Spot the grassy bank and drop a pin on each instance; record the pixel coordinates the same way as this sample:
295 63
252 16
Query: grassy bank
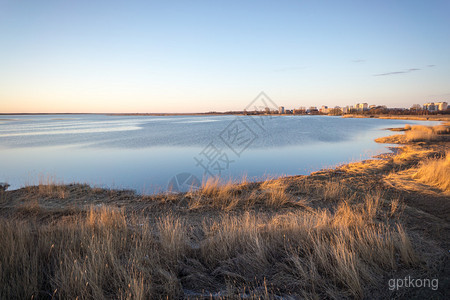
418 133
337 233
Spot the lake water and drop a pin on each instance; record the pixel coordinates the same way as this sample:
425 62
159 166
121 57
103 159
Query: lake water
145 153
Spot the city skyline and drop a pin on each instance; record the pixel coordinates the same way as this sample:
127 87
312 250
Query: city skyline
152 57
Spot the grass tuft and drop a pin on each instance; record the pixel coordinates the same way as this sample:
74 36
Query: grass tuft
436 172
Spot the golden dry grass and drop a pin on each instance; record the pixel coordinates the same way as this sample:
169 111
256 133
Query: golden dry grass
436 172
232 195
48 186
426 133
215 194
105 253
419 133
274 194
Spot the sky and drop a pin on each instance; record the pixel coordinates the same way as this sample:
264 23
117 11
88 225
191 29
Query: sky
200 56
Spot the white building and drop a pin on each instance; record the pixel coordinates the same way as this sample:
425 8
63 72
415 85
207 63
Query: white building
362 106
442 106
281 110
429 106
324 109
438 106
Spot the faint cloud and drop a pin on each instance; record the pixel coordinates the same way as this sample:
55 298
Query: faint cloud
397 72
403 72
359 60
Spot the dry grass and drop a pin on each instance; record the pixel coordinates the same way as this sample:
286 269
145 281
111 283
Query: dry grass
106 253
419 133
233 195
49 187
332 190
215 194
436 172
441 129
96 255
416 136
2 196
426 133
309 250
274 193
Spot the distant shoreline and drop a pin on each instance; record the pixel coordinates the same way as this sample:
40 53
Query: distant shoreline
440 117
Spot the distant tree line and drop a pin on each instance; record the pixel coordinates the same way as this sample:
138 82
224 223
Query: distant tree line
337 111
398 111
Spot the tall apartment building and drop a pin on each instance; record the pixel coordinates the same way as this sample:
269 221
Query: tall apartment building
438 106
361 106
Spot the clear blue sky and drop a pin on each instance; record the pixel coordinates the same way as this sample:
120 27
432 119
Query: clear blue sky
188 56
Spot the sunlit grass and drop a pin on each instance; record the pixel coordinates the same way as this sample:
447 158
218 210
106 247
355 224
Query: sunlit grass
436 172
419 133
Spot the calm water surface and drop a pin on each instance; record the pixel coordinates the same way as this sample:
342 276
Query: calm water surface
145 153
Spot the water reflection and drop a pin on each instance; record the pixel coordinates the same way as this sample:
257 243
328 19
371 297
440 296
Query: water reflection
144 153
